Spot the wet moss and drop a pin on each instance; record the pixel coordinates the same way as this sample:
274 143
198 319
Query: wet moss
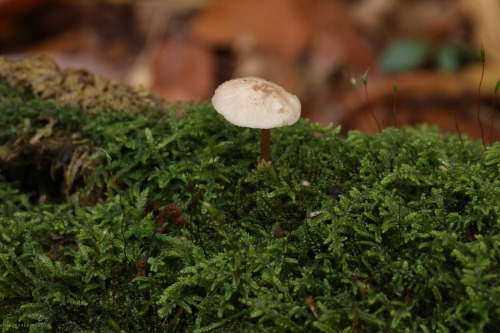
408 241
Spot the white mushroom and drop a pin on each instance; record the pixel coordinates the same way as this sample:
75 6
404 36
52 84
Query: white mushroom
257 103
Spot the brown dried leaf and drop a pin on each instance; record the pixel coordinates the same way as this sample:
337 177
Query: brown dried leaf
277 27
310 304
78 162
46 131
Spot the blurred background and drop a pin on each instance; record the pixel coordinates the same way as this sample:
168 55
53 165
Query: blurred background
422 57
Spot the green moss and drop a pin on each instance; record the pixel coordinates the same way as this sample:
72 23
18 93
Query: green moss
411 244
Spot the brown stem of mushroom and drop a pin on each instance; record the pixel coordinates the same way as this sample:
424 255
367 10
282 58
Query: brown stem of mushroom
265 144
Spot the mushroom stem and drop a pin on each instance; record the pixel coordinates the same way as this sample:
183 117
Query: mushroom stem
265 144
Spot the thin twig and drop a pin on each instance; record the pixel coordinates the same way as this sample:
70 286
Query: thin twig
394 103
492 115
458 132
365 81
479 96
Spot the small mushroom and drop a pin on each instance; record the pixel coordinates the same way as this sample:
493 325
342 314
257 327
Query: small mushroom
257 103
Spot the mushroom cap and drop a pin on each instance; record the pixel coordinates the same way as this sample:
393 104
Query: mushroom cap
256 103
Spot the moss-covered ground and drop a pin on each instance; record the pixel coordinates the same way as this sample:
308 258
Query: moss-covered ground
168 225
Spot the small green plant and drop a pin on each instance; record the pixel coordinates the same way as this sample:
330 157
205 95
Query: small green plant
394 104
365 83
393 232
483 58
